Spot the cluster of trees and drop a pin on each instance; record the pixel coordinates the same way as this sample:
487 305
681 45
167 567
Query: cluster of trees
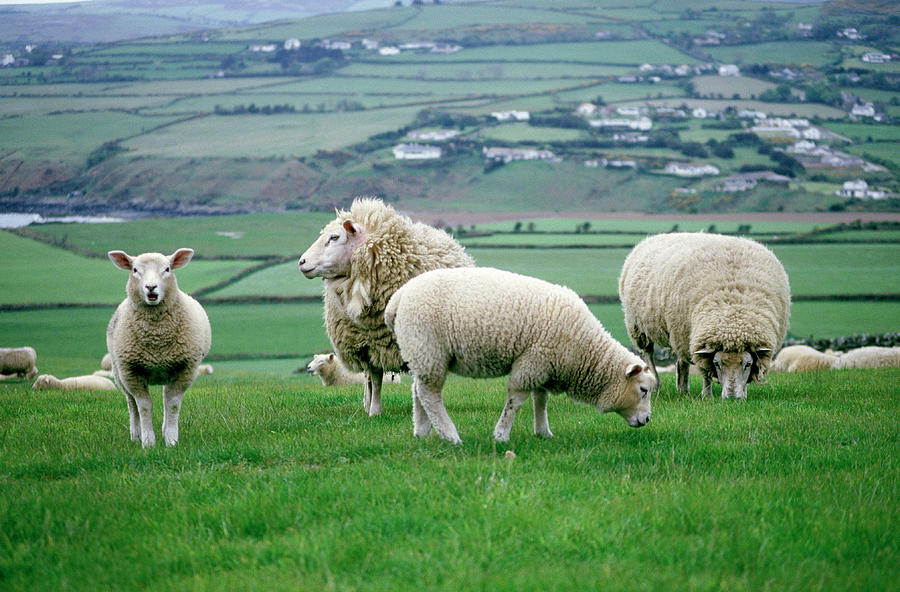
253 109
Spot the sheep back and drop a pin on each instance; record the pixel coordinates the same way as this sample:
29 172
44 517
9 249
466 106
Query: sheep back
869 357
21 361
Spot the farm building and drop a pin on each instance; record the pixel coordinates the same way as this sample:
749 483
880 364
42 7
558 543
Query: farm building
511 115
416 151
510 154
686 169
432 135
859 188
745 181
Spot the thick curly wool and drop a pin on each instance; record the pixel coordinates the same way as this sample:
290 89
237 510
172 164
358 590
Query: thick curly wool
703 293
485 322
380 250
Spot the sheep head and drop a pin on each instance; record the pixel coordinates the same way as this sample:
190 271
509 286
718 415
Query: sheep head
734 370
317 362
152 277
634 400
329 256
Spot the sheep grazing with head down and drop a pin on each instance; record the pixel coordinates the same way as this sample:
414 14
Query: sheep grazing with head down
91 382
18 361
484 322
158 335
364 256
801 358
719 302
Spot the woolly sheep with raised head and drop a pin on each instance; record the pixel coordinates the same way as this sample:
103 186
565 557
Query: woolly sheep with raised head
158 335
720 302
332 372
364 255
484 322
18 361
868 357
90 382
801 358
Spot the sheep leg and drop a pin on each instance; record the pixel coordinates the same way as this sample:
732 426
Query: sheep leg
647 350
514 400
421 423
372 396
172 405
541 423
141 397
429 396
707 386
682 375
133 418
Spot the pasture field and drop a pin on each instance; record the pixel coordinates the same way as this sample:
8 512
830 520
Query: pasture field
889 151
487 71
727 86
814 53
278 483
518 132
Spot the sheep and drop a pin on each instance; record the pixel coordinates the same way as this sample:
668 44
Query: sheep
801 358
719 302
363 256
483 322
158 335
869 357
18 361
332 372
205 369
91 382
106 362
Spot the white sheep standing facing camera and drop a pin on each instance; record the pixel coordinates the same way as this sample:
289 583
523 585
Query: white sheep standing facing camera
484 322
158 335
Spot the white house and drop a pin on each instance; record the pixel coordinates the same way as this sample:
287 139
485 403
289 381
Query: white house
416 151
586 109
699 113
729 70
291 44
369 44
864 110
859 188
7 59
509 115
388 50
876 57
641 124
628 111
686 169
266 48
510 154
439 135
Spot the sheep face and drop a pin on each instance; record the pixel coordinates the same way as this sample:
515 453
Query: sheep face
329 256
42 382
317 362
151 273
634 400
733 371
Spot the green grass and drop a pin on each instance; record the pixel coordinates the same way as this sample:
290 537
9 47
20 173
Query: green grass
520 132
727 86
863 131
278 482
814 53
889 151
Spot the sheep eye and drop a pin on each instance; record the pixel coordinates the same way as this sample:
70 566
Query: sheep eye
333 238
167 270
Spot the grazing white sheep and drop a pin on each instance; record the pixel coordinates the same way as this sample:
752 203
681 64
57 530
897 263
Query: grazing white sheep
205 369
18 361
484 322
158 335
332 372
363 256
720 302
869 357
801 358
91 382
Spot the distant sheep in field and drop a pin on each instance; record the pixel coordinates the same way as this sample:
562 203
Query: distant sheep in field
158 335
720 302
363 256
869 357
332 372
91 382
18 361
801 358
106 362
205 369
483 322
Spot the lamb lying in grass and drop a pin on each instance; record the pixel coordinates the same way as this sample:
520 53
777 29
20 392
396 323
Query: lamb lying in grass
158 335
90 382
332 372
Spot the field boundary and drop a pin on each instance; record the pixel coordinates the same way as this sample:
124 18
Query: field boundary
308 298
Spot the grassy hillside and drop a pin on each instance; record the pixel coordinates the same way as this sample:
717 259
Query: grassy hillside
228 120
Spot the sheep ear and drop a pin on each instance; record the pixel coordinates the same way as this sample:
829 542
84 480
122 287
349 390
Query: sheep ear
350 227
762 352
180 258
633 370
330 357
120 259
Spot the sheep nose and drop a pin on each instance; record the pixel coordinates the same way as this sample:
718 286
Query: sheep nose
302 261
150 287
